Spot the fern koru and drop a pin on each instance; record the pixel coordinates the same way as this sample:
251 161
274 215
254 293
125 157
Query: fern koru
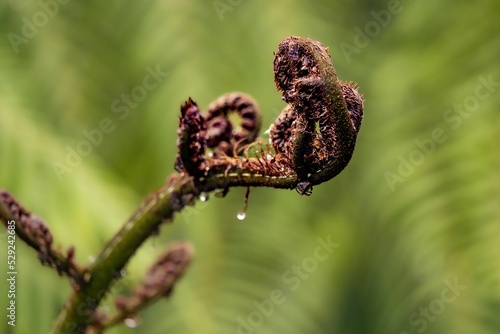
311 141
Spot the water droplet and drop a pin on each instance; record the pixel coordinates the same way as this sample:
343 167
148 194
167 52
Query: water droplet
210 154
241 215
91 259
269 156
119 274
204 196
131 322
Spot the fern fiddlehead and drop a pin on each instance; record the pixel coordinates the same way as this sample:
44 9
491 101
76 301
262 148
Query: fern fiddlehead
313 138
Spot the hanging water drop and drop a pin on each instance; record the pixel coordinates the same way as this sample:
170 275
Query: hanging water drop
241 215
131 322
204 196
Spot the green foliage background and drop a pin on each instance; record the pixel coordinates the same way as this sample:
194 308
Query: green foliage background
397 246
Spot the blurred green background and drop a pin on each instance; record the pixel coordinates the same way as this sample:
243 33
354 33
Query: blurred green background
415 216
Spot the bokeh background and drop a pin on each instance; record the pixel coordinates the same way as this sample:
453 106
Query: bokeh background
415 216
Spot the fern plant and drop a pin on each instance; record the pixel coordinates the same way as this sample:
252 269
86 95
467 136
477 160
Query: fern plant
397 247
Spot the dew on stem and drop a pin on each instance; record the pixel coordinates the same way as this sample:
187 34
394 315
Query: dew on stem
131 322
204 196
241 215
